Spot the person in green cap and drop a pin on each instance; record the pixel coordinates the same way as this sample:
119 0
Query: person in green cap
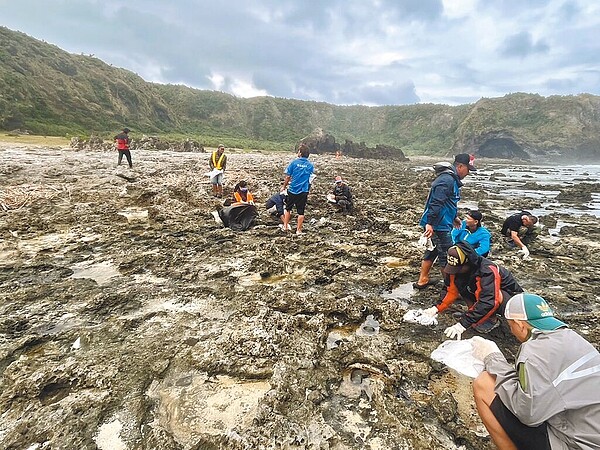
550 398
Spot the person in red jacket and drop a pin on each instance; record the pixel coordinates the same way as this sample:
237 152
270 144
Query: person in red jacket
122 140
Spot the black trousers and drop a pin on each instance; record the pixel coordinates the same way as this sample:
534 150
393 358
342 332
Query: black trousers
127 154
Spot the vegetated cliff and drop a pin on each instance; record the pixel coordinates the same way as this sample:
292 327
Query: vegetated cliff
49 91
527 125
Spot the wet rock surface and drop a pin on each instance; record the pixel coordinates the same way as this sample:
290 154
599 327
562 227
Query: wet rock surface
129 319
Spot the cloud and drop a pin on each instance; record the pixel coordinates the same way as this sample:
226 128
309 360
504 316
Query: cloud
401 93
339 51
522 45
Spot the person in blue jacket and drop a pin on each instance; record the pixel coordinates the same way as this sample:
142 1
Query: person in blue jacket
440 214
473 232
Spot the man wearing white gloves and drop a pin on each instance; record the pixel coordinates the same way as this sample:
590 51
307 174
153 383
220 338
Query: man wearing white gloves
481 283
518 231
550 398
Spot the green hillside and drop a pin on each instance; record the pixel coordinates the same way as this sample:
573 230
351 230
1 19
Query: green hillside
48 91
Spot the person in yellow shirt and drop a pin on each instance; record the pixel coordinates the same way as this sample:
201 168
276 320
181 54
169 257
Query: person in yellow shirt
217 163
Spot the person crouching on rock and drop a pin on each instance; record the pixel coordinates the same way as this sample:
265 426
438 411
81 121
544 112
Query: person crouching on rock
549 399
242 194
472 231
481 283
341 197
518 231
276 205
122 141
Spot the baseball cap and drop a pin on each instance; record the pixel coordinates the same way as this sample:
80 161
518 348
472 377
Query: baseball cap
475 215
534 310
338 179
467 160
456 260
221 146
126 130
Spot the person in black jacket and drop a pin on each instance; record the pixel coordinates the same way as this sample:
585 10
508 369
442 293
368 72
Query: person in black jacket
518 231
482 284
341 197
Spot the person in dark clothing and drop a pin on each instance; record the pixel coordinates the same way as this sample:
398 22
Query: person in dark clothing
518 230
341 197
441 212
482 284
276 205
122 141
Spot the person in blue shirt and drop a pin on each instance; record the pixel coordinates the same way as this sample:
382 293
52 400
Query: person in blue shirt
474 233
297 183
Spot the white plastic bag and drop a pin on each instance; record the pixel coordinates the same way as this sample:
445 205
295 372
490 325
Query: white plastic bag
425 243
213 173
458 355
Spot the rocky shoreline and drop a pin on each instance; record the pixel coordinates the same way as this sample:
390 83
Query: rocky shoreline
130 320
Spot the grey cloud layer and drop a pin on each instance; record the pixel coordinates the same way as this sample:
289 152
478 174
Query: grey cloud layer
340 51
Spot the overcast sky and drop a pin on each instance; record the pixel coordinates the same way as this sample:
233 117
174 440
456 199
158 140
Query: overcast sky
372 52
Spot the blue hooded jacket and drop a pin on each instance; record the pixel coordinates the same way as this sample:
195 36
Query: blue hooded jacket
441 207
480 239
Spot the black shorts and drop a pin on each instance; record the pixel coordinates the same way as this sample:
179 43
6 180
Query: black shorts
296 199
524 437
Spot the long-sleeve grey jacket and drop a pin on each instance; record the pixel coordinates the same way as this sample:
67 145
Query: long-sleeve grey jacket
557 381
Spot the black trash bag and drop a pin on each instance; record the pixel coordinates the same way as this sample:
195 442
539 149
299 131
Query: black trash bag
238 217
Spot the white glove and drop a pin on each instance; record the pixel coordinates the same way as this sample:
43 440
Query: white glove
481 347
455 331
430 312
525 252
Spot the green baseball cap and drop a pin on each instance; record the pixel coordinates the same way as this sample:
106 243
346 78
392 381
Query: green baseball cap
534 310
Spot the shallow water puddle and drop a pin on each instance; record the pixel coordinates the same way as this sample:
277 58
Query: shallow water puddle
271 279
370 327
65 323
101 272
149 278
357 378
400 294
46 242
191 405
392 261
134 214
